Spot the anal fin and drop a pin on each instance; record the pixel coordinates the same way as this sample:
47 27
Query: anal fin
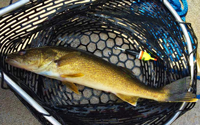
130 99
71 86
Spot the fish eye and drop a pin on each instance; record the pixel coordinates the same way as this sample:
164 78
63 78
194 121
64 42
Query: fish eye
22 52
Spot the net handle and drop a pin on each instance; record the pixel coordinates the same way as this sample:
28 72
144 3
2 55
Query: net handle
189 47
13 6
30 100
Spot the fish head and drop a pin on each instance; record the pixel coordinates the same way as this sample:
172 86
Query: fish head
30 59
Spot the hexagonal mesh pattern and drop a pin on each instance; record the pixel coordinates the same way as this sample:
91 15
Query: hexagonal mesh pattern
98 27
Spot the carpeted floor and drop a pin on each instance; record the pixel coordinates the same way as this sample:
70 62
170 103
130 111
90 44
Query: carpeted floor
12 111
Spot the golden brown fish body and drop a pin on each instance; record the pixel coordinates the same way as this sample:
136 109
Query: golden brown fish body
76 66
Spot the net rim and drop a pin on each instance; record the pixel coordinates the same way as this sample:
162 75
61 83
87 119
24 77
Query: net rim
191 58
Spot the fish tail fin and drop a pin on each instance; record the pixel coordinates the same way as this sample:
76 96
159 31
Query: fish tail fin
178 91
182 97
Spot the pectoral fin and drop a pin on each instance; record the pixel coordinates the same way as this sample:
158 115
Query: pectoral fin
130 99
71 75
71 86
63 60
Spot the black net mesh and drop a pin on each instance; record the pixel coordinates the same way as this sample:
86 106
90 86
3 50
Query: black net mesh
99 27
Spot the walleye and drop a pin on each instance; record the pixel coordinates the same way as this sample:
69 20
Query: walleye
71 66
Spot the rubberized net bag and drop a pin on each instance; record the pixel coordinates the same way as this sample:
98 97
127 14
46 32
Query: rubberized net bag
98 27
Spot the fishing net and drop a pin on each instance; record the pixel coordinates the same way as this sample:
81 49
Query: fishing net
98 27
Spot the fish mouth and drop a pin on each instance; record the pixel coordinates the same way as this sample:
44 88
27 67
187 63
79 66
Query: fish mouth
13 62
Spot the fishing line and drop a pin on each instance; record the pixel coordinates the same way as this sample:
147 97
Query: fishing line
193 51
182 22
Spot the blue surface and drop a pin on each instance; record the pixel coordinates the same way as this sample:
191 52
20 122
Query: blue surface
177 6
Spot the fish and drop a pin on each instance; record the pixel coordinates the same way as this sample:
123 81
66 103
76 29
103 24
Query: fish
74 66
